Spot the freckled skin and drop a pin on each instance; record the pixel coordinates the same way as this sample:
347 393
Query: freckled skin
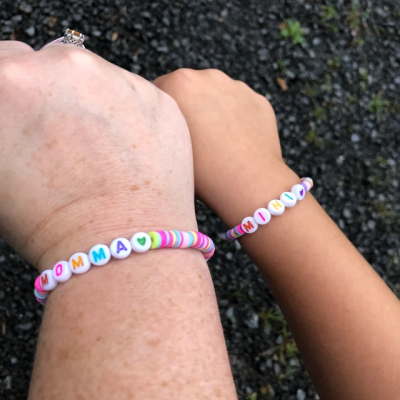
123 330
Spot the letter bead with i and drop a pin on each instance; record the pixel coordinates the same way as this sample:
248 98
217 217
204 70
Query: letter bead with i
288 199
262 216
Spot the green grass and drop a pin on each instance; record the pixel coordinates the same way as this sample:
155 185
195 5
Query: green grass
272 317
358 42
312 136
239 294
385 212
252 396
310 91
292 30
329 13
333 62
354 18
378 106
351 98
288 349
282 66
328 83
319 113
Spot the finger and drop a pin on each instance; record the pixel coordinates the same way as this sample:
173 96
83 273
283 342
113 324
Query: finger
11 47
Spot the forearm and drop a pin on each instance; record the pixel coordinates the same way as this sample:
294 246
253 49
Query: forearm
341 313
144 327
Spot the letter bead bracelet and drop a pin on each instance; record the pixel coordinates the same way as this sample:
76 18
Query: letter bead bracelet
120 248
275 207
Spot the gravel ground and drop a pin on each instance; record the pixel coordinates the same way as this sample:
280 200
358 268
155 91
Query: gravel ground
334 80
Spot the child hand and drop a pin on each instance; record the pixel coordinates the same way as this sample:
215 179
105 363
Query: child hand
237 154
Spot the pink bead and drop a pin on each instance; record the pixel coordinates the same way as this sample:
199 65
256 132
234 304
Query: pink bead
198 240
206 243
164 239
38 286
201 244
185 240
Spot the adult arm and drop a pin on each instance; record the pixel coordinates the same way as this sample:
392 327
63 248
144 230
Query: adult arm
78 168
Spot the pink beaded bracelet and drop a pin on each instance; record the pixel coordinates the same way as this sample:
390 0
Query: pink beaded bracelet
120 248
275 207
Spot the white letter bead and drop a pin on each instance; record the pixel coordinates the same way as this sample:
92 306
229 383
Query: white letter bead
120 248
61 272
249 225
79 263
47 280
298 191
288 199
140 242
262 216
276 207
99 254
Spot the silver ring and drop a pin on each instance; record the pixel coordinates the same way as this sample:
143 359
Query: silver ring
74 37
70 37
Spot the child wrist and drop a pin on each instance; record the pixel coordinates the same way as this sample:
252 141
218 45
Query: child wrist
265 183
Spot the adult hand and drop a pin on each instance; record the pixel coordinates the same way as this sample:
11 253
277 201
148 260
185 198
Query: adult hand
86 153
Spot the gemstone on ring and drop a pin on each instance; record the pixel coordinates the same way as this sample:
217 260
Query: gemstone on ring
74 37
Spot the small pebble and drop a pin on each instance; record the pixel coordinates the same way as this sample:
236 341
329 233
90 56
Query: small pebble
252 322
30 31
371 224
347 213
230 314
340 160
301 394
25 327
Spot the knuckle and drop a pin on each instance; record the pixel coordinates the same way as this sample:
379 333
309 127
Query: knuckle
265 103
181 80
184 74
217 74
15 46
11 70
76 59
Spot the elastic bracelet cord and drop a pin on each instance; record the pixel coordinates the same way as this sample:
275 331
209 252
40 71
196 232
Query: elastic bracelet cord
275 207
120 248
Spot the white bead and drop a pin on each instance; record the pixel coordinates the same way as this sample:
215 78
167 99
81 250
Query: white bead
47 280
288 199
262 216
276 207
79 263
140 242
120 248
298 191
99 254
61 272
249 225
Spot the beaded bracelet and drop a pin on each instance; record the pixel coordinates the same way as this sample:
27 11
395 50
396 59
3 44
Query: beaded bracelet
120 248
275 207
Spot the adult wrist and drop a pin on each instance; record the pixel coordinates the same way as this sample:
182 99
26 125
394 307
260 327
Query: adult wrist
80 227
